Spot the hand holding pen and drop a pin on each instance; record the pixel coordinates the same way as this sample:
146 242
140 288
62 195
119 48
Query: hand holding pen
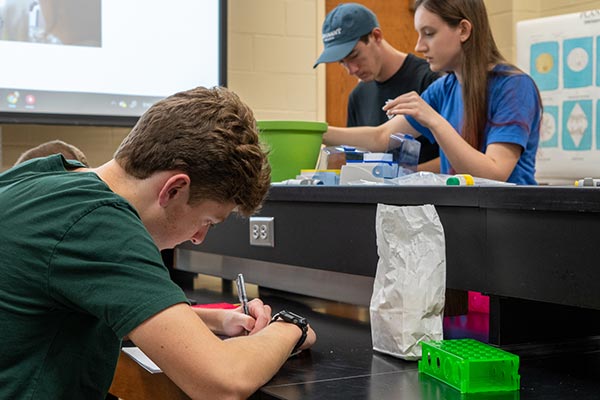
241 289
259 312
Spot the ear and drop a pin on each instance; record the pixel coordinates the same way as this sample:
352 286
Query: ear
377 35
465 28
176 187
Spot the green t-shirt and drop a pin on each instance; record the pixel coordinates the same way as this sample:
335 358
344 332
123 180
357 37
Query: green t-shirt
78 271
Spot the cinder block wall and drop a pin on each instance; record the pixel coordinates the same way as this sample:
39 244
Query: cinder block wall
504 14
272 46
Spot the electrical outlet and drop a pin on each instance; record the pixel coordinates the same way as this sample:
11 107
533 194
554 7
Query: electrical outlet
262 231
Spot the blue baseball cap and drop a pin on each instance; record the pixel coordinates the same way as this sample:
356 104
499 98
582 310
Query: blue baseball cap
342 29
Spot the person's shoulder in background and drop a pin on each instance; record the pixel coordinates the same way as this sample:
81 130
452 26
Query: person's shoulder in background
69 151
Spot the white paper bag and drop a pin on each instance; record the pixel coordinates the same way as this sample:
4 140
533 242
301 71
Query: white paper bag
407 304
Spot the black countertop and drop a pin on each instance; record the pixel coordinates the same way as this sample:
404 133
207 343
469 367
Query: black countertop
541 198
342 364
526 242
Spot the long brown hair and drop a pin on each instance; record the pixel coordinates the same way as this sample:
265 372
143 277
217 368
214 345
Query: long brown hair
479 53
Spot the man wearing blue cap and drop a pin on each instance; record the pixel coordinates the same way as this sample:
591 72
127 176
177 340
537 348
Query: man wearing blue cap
352 36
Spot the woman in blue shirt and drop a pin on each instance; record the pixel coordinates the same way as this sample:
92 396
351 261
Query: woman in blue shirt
485 113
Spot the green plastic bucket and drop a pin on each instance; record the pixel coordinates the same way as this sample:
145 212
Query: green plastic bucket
293 145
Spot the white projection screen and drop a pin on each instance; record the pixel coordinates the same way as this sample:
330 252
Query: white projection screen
104 62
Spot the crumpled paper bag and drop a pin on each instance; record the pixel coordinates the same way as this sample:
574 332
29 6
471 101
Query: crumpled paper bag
407 304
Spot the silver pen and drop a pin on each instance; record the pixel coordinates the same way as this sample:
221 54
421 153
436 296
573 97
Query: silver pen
241 289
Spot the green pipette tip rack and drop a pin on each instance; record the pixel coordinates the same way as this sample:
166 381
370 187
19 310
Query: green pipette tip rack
470 366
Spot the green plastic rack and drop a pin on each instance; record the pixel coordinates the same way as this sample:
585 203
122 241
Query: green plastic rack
470 366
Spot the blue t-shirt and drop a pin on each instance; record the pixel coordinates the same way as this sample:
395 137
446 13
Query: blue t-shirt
514 113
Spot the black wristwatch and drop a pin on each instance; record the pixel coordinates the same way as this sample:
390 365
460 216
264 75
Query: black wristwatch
300 322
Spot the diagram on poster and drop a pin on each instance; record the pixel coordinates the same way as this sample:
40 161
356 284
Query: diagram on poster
549 127
561 55
544 65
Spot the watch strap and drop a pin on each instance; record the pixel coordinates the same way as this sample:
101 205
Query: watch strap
300 322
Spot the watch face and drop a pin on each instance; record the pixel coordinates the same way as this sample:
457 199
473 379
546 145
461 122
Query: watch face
289 316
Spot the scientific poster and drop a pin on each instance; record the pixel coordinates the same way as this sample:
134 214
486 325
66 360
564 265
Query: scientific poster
561 54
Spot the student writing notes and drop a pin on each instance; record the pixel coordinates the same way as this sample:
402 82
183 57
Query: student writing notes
80 262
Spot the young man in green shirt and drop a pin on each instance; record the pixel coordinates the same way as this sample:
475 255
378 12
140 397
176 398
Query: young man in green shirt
80 264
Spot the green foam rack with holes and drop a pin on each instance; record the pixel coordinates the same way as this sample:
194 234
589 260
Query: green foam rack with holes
470 366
